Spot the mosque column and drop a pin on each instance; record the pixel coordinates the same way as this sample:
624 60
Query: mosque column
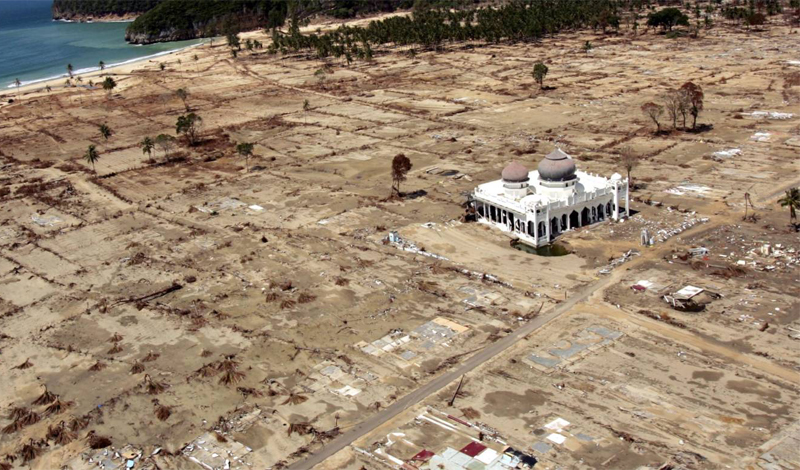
535 228
627 198
616 201
547 224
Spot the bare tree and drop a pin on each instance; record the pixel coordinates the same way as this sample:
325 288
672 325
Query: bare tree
672 104
654 112
629 161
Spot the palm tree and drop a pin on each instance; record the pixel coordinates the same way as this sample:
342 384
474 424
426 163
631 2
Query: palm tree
105 131
47 88
18 84
306 108
245 150
91 156
102 66
791 200
147 146
69 70
108 85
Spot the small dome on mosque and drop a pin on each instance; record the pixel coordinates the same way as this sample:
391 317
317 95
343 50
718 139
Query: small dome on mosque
515 173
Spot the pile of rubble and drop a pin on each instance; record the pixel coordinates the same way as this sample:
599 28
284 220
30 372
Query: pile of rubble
617 261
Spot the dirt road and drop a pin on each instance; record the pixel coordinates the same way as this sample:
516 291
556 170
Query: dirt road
444 380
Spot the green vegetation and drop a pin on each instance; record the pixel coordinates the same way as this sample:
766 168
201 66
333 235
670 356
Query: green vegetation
667 18
108 85
245 150
189 125
105 131
522 20
791 200
100 8
147 146
175 20
539 72
91 156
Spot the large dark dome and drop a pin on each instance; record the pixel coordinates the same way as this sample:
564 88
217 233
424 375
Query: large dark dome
557 166
515 173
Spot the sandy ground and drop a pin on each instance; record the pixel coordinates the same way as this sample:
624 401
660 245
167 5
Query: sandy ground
270 311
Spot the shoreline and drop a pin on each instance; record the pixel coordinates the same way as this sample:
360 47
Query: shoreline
131 64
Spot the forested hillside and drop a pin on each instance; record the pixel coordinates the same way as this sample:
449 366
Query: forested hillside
86 9
174 20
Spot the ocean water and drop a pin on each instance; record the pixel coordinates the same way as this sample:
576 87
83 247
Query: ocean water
34 47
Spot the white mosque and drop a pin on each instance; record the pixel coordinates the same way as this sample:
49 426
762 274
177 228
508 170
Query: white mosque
540 205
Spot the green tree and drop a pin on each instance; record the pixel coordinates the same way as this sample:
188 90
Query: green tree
91 156
306 109
791 200
189 125
18 84
108 85
245 150
147 146
539 72
234 42
69 70
102 66
166 143
667 18
162 66
183 94
105 131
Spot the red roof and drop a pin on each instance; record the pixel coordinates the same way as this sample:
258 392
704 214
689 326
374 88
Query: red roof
473 449
423 455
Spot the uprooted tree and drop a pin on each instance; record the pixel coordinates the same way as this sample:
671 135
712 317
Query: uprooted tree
400 168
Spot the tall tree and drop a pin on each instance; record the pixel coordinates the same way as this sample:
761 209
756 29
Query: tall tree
654 112
672 103
102 66
105 131
695 97
69 70
189 125
91 156
629 160
18 84
306 108
791 200
183 95
401 165
166 143
539 72
108 85
147 146
245 150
